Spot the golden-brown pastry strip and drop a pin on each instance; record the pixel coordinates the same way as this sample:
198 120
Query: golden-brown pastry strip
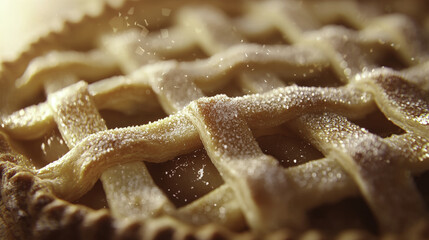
173 87
300 27
210 28
30 122
217 70
348 12
77 118
259 82
415 147
403 36
254 177
124 94
219 206
320 182
132 193
206 26
403 102
418 75
250 57
344 49
286 103
89 66
99 151
374 165
75 113
290 17
136 47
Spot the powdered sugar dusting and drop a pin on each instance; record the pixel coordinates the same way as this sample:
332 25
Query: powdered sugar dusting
127 189
269 197
75 101
283 104
373 164
415 147
28 123
321 181
343 49
250 173
403 101
104 149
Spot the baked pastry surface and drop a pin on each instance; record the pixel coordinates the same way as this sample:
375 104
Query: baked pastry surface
189 119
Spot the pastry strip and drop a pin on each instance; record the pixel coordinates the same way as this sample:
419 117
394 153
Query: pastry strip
77 118
253 176
373 164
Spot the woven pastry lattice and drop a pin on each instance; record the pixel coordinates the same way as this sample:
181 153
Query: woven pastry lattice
209 82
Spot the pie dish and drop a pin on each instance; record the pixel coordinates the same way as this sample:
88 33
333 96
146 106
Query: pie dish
217 120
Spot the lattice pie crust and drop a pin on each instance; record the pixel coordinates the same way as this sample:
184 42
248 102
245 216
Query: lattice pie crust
212 119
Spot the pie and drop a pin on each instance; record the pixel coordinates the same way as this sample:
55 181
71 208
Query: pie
189 119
